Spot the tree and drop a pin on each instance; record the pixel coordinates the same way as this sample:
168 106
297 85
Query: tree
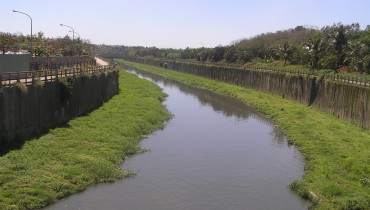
217 54
244 56
337 40
286 51
186 54
315 47
230 55
203 54
39 43
7 42
365 40
358 54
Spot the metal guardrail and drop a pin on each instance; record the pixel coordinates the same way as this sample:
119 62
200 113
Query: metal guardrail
29 77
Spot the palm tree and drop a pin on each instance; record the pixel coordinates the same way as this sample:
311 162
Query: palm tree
358 55
337 40
315 47
286 51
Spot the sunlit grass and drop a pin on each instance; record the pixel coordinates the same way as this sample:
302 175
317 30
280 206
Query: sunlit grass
87 151
337 153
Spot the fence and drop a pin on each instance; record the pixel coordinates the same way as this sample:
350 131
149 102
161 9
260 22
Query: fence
29 77
362 81
42 62
350 79
14 62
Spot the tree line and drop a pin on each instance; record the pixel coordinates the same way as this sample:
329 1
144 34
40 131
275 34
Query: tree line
43 46
338 47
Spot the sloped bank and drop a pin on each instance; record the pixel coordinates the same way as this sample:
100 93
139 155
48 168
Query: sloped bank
337 159
86 151
344 100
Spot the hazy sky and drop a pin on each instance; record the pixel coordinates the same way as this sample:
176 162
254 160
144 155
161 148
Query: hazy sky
176 23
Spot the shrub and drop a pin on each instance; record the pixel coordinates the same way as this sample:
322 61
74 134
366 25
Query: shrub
38 83
85 75
66 85
21 86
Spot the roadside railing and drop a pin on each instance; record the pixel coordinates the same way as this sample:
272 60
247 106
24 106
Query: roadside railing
54 62
29 77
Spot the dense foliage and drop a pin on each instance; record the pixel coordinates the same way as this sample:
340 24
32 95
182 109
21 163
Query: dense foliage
42 46
338 47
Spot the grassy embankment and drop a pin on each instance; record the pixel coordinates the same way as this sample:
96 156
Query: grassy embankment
337 168
87 151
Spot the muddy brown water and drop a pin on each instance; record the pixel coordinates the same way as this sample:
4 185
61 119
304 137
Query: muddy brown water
216 153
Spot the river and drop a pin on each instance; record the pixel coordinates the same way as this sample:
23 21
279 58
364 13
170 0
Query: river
216 153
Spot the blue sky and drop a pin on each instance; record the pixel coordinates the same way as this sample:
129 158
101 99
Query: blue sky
176 23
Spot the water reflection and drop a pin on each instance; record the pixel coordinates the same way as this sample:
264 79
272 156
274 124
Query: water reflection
226 105
216 153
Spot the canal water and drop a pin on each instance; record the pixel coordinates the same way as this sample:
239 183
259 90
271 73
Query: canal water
216 153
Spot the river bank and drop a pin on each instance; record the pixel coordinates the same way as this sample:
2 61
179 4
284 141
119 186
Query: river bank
88 150
337 160
215 153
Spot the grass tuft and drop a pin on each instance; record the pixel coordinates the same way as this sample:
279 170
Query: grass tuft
38 83
21 87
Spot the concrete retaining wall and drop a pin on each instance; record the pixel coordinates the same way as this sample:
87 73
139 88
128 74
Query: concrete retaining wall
24 62
347 101
31 113
14 62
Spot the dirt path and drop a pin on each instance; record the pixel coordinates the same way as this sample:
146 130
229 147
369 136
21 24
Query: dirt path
101 62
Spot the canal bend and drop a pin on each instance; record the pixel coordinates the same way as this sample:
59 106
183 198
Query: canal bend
216 153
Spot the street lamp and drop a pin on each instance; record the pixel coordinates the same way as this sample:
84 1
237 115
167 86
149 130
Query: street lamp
77 34
73 31
31 47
